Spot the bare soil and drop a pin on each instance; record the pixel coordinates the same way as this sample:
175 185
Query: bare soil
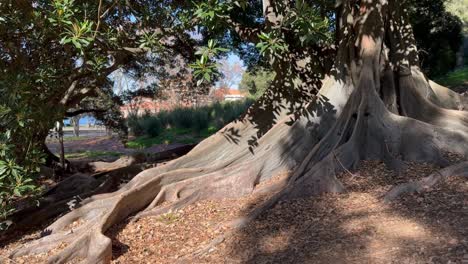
352 227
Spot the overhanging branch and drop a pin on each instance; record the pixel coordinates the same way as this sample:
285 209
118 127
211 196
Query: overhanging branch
245 33
85 111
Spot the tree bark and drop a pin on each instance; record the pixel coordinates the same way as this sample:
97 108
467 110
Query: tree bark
462 54
76 125
62 147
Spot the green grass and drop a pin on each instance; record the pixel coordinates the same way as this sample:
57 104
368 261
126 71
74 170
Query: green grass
455 78
91 154
70 138
170 136
143 142
208 132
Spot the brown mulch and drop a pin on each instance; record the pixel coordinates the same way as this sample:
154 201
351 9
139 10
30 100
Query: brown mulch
353 227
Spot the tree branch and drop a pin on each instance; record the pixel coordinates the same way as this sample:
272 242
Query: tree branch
245 33
69 92
98 19
83 111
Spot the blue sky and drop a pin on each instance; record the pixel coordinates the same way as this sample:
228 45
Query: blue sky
233 59
126 82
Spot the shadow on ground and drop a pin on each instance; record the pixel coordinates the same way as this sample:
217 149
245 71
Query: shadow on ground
357 227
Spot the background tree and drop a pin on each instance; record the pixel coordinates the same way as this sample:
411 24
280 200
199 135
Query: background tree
438 35
231 73
459 8
255 83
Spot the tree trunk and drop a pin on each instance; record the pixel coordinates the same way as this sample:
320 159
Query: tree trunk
375 104
76 125
465 50
62 147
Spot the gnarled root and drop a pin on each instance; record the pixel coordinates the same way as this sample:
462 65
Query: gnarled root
98 213
342 127
457 170
67 195
365 130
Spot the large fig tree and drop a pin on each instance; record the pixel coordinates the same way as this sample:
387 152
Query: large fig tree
336 99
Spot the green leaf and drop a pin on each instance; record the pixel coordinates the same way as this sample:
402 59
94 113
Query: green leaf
76 43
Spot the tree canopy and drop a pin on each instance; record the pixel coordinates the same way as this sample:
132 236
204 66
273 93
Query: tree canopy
438 36
255 83
459 8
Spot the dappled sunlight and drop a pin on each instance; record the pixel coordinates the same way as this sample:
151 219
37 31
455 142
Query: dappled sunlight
383 231
275 242
319 169
352 227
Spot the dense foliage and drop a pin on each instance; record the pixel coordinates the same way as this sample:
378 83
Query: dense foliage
438 36
255 83
55 58
459 8
19 164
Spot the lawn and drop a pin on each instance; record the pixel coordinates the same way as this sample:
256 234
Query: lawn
91 154
456 78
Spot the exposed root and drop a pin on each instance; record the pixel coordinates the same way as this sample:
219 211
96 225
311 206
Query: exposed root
68 195
179 187
458 170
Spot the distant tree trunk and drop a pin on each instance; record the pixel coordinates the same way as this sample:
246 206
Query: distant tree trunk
62 147
76 125
465 50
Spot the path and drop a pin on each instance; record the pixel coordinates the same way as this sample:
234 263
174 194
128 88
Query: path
104 144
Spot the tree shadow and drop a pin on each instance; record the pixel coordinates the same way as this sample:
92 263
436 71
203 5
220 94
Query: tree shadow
357 226
118 247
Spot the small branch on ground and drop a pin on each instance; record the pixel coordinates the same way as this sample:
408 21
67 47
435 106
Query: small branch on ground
457 170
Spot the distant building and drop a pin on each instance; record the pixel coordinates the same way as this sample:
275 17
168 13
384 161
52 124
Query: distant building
225 94
233 95
143 105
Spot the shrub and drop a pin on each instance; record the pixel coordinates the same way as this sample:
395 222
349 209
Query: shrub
182 118
200 119
151 126
20 153
133 122
187 120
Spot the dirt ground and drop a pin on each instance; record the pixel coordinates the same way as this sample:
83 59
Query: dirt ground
352 227
355 227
